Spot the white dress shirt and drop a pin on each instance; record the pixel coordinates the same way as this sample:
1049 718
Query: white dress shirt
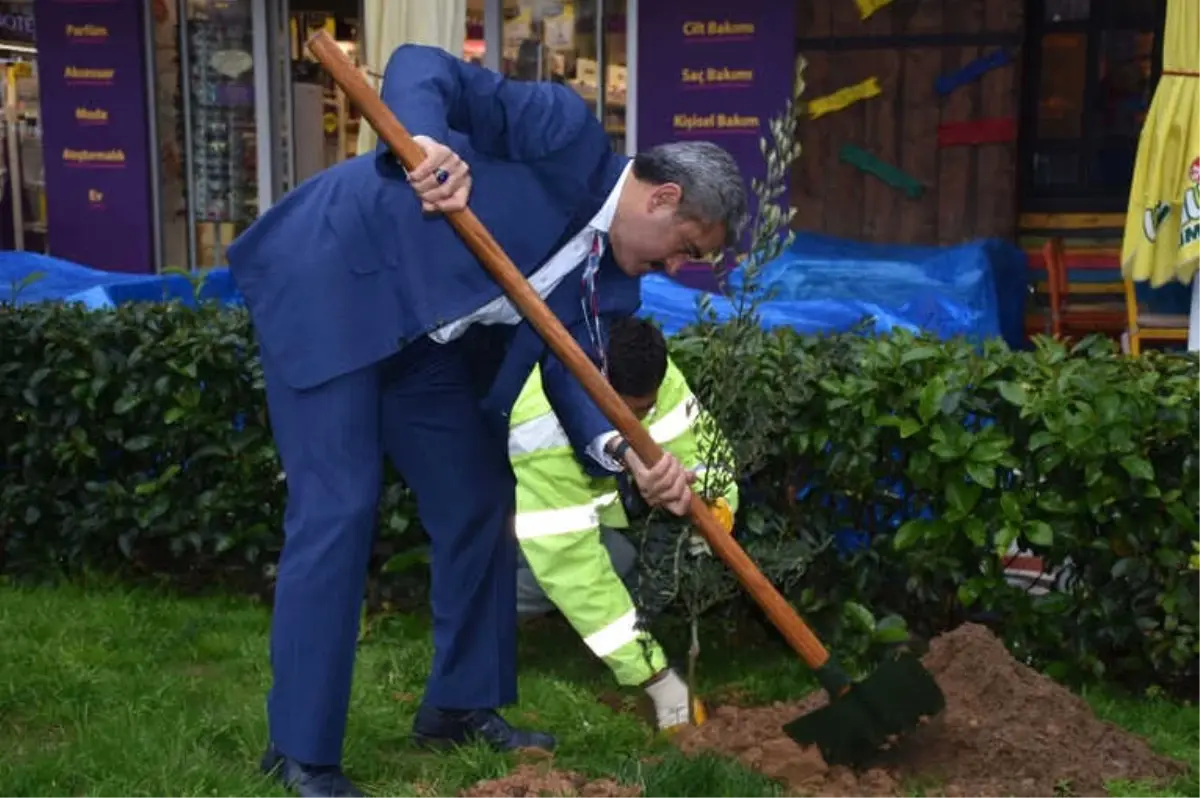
501 310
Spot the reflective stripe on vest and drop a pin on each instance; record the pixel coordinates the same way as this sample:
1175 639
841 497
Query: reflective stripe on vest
544 459
535 435
677 421
607 640
561 520
544 432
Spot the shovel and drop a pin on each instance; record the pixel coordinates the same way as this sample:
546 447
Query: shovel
861 717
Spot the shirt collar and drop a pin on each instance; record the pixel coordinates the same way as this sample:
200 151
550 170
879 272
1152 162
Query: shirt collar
602 221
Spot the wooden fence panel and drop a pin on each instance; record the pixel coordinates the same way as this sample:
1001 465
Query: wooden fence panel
969 191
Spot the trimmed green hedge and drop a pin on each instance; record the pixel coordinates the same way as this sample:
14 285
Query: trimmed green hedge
136 440
946 455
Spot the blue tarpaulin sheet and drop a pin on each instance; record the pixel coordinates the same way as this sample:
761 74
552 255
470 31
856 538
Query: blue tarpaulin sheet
69 282
826 284
56 279
820 284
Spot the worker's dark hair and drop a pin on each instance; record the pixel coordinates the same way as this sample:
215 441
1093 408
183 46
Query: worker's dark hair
637 356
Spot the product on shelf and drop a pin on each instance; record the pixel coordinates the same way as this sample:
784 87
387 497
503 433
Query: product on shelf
220 86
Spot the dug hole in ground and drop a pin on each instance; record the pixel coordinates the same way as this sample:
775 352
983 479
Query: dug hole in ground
1006 730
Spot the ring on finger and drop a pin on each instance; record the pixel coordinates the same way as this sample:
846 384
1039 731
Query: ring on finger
441 176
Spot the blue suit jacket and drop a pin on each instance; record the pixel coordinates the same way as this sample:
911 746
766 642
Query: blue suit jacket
346 269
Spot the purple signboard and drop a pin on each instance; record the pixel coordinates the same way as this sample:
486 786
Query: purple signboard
96 132
717 70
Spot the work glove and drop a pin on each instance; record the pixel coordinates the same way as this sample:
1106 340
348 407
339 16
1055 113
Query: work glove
674 704
697 545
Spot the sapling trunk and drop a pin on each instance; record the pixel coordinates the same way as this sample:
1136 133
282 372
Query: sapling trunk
693 656
728 365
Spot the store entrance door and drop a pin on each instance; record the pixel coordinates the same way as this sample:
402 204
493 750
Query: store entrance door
22 182
322 125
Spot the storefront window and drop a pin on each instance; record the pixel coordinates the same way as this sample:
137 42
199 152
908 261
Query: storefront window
1064 72
1067 10
22 166
1091 70
1125 79
581 44
22 172
475 45
217 69
1125 88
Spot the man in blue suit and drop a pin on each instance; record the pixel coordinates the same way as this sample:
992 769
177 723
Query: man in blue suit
381 334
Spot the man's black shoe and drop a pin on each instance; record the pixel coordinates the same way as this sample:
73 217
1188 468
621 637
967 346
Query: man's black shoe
308 781
438 728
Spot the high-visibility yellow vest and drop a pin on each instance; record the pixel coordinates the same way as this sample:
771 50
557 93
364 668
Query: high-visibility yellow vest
560 509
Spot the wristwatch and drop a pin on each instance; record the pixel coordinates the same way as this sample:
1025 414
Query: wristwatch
618 451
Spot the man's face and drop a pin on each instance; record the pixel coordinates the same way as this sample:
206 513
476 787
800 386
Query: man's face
651 236
640 405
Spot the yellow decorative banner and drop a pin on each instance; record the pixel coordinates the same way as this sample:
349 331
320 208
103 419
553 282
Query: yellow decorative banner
868 7
843 97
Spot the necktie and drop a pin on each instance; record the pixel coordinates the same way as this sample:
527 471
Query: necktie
589 298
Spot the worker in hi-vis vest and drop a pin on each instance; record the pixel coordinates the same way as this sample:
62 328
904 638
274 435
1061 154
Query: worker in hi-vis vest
572 558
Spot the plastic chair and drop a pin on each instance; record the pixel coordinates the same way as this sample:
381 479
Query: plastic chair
1073 316
1151 327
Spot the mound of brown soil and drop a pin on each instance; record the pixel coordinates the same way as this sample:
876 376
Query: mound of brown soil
1006 730
540 780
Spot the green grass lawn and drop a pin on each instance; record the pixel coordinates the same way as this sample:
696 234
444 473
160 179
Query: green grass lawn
112 692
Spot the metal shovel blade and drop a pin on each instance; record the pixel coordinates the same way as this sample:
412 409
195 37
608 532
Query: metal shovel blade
854 727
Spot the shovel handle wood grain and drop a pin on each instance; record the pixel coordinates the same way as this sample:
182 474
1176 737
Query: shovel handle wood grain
390 130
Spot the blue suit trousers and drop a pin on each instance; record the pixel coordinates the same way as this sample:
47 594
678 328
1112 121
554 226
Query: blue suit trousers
421 409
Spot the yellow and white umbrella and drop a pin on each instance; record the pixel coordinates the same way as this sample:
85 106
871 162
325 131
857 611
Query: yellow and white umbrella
1162 227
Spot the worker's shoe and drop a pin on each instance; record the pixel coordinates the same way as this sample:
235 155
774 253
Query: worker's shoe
441 728
307 781
674 706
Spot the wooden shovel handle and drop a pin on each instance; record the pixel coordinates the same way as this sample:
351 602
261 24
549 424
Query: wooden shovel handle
551 329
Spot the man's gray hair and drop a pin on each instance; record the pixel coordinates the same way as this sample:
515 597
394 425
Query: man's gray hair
713 189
